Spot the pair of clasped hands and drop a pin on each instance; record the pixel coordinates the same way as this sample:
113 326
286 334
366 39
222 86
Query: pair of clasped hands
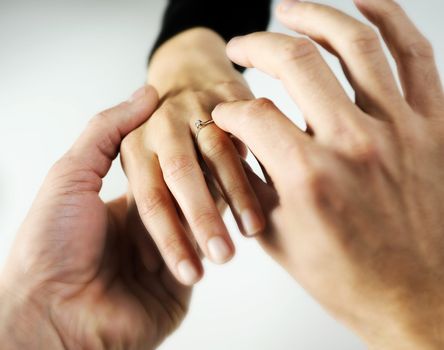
352 209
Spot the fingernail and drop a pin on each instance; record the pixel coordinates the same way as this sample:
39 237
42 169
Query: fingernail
139 93
219 250
251 222
187 272
286 5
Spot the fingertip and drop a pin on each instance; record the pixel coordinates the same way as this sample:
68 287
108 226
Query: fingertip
235 51
151 93
285 6
217 111
189 274
220 250
226 114
137 94
143 102
233 43
217 108
147 91
253 222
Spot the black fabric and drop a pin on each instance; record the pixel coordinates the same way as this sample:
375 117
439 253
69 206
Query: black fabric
229 18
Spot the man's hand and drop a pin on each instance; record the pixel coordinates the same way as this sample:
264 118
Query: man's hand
84 274
356 206
167 169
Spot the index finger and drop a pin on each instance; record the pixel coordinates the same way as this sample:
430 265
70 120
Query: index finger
305 74
270 135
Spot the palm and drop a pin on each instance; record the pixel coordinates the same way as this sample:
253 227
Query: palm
104 293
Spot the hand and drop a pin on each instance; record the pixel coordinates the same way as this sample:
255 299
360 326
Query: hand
164 169
356 206
74 278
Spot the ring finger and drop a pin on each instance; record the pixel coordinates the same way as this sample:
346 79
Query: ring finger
224 162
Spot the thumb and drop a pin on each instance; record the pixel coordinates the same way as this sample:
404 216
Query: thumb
99 143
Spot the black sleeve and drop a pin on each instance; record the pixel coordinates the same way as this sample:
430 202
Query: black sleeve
229 18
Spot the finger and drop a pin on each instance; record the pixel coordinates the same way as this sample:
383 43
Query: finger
412 51
158 213
240 147
184 178
161 285
271 240
269 134
98 145
306 76
355 44
221 156
144 244
265 192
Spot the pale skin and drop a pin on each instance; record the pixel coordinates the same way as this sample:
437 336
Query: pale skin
355 209
83 274
164 170
135 287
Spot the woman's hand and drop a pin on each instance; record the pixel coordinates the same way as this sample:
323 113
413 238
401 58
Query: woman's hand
356 207
167 174
75 278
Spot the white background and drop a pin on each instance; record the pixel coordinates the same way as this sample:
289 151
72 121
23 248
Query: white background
60 63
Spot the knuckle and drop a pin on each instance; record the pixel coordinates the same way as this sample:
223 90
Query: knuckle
100 118
314 183
215 147
106 144
171 246
129 143
367 154
166 114
61 165
364 41
97 122
192 97
259 106
168 126
392 9
70 176
418 48
237 190
203 219
365 151
296 49
295 151
306 174
153 202
167 110
232 88
176 167
111 137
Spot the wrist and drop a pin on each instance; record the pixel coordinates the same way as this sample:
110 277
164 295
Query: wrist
193 59
25 322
